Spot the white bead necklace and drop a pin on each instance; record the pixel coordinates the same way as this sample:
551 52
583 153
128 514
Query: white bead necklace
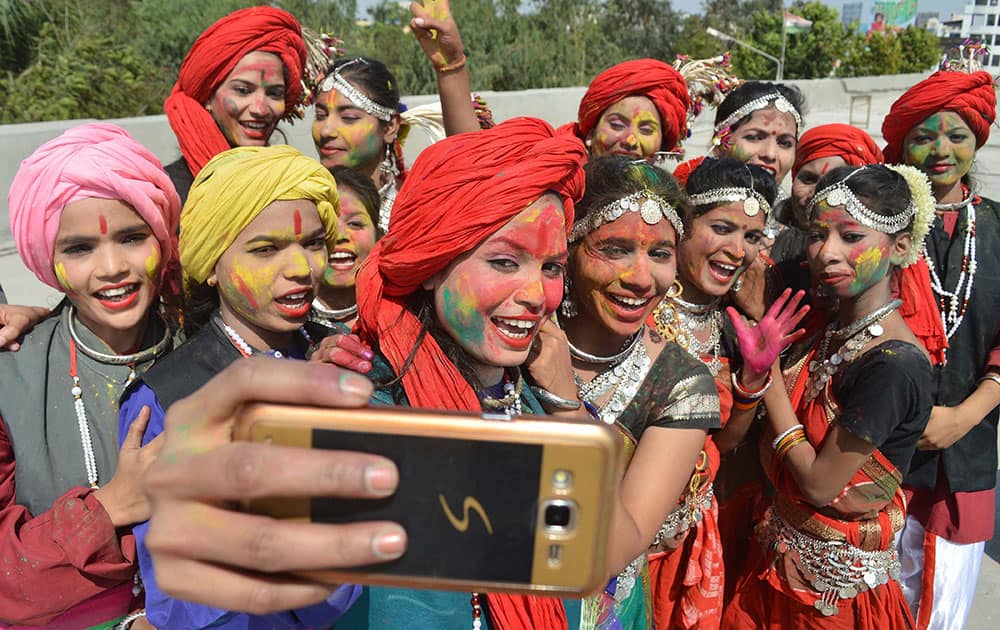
953 304
245 349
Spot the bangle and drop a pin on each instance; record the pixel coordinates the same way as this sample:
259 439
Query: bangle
130 619
559 403
747 395
455 65
784 434
989 376
796 439
740 404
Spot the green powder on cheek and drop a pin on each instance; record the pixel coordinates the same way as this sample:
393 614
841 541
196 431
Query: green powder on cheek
463 317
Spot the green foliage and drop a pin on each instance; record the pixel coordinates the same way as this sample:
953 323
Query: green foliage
116 58
84 76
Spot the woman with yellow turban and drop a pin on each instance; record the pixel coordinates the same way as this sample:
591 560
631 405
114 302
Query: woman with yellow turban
254 237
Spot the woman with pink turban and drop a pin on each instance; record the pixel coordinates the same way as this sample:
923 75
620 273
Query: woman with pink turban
93 214
937 126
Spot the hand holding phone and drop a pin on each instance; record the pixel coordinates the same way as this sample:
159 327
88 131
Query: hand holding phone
517 505
196 538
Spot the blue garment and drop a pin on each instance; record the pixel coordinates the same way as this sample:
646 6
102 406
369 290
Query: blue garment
163 611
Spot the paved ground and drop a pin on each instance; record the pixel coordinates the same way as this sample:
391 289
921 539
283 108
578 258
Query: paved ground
22 288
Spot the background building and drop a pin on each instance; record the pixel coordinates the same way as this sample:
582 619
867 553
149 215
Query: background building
979 23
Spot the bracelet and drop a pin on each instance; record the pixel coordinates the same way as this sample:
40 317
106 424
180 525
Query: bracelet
740 404
744 394
455 65
592 410
796 439
549 399
130 619
784 434
989 376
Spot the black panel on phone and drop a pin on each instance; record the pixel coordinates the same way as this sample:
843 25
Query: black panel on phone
502 477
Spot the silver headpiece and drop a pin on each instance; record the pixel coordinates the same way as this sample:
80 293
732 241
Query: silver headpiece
781 104
651 210
839 195
753 201
336 82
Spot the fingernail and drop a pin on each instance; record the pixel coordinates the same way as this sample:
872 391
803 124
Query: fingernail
420 21
389 544
364 366
352 383
381 479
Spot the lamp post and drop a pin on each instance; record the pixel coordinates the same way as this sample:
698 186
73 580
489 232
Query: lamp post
729 38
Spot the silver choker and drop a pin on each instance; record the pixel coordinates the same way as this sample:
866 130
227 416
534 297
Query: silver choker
118 359
615 358
338 314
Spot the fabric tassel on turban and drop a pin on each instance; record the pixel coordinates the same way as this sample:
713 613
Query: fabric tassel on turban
459 192
99 161
851 144
654 79
234 187
212 57
971 96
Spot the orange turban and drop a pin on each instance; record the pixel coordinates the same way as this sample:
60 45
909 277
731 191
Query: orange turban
971 96
854 145
212 57
459 192
654 79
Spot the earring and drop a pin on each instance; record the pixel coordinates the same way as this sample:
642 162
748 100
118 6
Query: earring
567 308
588 142
675 290
211 282
388 164
737 285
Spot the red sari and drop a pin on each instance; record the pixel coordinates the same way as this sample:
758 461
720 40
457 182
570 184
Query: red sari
780 590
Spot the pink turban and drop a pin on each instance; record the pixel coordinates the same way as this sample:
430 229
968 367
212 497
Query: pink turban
99 161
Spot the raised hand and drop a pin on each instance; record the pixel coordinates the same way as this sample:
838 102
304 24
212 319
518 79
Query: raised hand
122 497
760 345
437 33
550 364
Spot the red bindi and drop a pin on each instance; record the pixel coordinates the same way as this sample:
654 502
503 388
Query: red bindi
297 217
826 167
104 223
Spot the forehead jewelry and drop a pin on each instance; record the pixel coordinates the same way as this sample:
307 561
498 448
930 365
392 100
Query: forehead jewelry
334 81
652 208
753 201
781 104
839 195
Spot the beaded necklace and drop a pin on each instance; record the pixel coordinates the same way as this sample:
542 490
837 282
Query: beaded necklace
953 304
692 318
246 350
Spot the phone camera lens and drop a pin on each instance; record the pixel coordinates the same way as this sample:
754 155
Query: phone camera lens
557 516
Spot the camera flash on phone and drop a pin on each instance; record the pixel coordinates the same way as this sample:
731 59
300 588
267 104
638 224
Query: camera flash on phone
562 479
555 555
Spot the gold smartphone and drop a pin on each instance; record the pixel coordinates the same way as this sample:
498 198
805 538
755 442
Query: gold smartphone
488 503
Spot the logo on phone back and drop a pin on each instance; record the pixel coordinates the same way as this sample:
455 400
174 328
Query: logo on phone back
471 504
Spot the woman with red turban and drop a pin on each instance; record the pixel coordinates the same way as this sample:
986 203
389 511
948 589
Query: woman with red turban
241 77
636 108
937 126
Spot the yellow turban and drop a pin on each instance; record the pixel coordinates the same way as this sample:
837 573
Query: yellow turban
234 187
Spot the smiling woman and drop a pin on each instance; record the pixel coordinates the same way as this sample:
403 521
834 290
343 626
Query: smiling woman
254 236
240 78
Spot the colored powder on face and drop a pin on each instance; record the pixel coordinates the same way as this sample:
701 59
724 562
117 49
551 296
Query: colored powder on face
103 223
153 264
244 290
463 317
61 276
868 268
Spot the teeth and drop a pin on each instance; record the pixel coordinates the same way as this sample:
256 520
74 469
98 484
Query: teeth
726 267
513 335
295 297
114 293
342 256
631 301
517 323
255 125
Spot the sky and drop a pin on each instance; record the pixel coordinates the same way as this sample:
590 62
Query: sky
944 7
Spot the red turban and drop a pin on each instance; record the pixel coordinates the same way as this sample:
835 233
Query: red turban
683 170
854 145
971 96
657 81
459 192
212 57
